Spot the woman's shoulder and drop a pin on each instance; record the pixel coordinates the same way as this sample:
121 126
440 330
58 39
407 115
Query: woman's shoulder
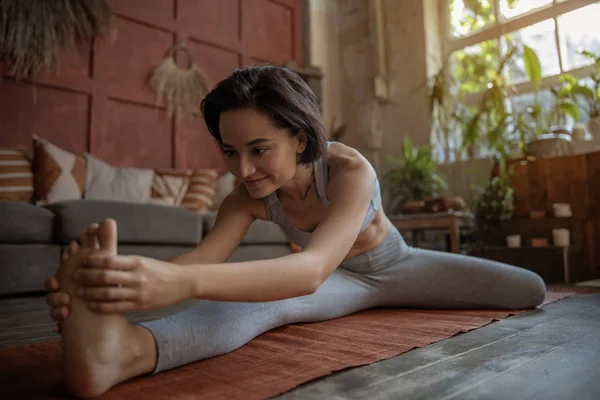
342 156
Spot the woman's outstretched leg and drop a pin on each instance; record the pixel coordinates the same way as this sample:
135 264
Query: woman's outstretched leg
100 350
432 279
212 328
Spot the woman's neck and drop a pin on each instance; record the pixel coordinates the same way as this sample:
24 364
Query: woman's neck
300 186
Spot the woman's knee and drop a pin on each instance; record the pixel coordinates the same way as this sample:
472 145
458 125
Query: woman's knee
532 290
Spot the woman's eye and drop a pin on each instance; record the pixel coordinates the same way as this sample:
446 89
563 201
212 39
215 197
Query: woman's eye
258 151
228 153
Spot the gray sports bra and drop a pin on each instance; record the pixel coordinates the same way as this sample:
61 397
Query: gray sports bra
276 214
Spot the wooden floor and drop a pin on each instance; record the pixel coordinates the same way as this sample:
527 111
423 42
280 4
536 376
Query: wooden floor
550 353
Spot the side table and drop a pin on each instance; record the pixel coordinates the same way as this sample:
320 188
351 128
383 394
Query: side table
450 221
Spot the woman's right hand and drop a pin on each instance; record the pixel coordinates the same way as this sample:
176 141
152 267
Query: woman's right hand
60 301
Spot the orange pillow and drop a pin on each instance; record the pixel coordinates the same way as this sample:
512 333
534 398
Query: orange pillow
16 176
201 191
169 186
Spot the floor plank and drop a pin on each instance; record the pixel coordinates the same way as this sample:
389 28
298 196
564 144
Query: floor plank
444 368
568 372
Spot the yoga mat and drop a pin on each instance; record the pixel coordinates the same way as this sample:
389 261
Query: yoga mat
271 364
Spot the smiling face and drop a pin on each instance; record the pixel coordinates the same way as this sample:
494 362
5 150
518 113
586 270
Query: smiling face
262 155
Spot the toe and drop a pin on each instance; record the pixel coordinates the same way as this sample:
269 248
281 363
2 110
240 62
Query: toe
92 234
107 235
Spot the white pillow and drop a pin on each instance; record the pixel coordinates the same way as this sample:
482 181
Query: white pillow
106 182
225 185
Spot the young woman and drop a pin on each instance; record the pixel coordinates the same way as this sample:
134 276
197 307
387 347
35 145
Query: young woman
324 195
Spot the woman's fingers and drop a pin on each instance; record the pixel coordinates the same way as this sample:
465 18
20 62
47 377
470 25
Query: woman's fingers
114 307
105 277
59 313
58 299
110 293
51 284
109 261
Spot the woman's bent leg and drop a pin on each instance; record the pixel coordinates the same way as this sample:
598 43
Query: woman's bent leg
213 328
433 279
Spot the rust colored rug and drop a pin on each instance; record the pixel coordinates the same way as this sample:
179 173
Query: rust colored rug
271 364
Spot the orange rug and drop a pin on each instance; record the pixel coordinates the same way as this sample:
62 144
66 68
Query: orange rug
271 364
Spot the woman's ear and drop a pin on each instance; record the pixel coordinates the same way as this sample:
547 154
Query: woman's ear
302 142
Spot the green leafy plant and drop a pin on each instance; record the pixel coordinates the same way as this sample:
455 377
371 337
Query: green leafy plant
442 106
495 202
591 97
487 122
414 176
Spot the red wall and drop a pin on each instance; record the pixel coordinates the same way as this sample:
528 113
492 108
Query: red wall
99 100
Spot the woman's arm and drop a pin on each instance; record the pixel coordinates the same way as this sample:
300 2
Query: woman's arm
234 217
350 190
153 284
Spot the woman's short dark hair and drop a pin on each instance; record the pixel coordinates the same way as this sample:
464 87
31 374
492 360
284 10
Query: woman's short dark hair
279 93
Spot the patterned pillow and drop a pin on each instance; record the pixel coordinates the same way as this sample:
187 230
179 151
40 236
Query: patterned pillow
201 191
16 176
169 186
59 174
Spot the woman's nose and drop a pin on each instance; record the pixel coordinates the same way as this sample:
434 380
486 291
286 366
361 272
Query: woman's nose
245 168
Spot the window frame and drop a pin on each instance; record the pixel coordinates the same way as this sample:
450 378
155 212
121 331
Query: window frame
499 28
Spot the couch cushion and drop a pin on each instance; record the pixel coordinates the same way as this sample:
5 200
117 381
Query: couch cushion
137 223
25 223
260 232
25 267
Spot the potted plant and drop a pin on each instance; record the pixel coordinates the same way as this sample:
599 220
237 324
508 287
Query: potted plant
494 203
413 178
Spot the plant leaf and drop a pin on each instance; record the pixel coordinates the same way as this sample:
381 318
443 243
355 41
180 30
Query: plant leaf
532 66
584 91
569 108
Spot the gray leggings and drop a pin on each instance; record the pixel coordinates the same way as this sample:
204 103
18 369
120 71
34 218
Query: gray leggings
391 275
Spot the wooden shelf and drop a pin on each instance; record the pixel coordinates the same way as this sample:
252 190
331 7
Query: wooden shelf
549 249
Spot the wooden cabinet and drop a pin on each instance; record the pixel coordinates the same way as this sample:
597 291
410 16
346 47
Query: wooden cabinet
554 264
539 183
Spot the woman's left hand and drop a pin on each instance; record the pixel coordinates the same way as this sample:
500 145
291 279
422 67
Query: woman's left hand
116 283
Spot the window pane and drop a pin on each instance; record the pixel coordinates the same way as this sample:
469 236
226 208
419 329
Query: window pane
579 29
583 104
468 16
541 38
476 65
513 8
520 102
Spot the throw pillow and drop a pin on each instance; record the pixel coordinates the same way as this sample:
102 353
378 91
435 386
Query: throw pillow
16 176
59 174
169 186
201 192
106 182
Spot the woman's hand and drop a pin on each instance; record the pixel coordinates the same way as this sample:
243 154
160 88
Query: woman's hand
117 283
60 301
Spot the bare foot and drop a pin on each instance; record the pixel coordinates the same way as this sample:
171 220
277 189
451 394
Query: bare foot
100 350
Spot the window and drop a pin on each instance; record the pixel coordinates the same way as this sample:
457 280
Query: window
479 33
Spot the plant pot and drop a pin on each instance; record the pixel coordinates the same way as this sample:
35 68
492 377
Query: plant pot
435 204
550 145
412 207
455 203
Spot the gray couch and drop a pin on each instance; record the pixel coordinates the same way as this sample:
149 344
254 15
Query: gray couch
32 238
